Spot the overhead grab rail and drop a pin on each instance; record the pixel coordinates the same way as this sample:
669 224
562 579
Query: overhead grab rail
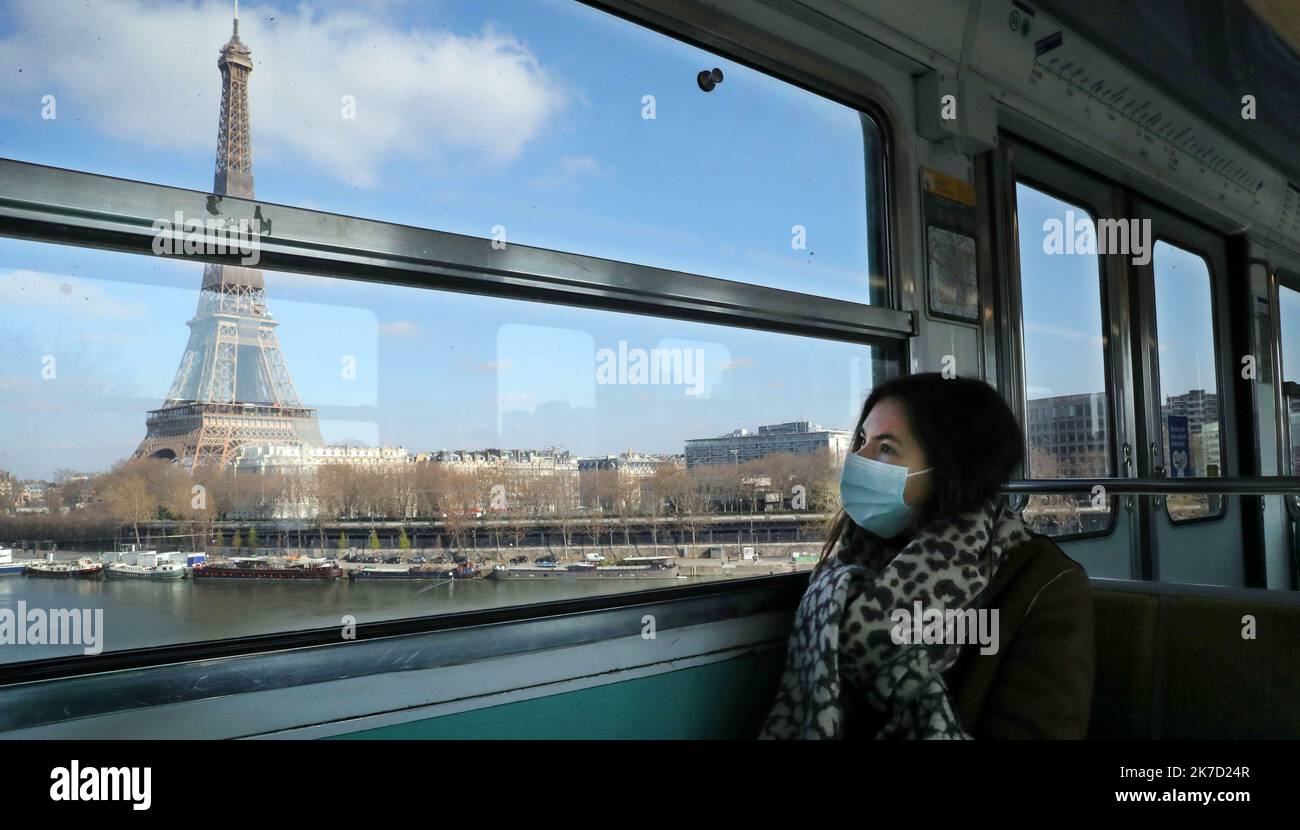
1221 486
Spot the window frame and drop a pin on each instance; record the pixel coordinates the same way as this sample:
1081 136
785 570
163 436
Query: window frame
61 206
1034 178
716 600
1283 277
1154 326
48 204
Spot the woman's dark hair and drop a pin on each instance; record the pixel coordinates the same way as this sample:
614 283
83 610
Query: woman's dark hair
969 434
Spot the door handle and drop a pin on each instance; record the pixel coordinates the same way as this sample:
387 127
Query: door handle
1127 463
1157 471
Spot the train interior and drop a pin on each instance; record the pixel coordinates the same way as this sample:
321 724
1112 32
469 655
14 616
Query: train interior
1169 127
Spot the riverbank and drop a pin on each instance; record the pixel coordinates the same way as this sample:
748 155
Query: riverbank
716 561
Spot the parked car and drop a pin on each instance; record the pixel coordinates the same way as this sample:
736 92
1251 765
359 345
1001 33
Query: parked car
419 559
393 560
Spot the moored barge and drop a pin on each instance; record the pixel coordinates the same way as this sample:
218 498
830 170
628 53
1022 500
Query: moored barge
13 567
80 569
645 567
415 573
256 567
161 570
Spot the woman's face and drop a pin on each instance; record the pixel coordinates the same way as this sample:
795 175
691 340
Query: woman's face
887 437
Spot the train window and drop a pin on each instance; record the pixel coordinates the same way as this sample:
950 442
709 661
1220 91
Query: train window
543 446
1067 408
549 124
1188 375
1289 320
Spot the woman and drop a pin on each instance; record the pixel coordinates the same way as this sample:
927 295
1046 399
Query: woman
1009 653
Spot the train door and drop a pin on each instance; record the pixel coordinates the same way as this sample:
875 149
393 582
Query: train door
1285 290
1120 369
1070 378
1187 372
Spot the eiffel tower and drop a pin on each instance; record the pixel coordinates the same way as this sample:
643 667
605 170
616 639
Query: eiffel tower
232 387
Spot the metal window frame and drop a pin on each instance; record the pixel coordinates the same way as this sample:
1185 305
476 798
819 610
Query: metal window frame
1178 238
745 35
56 205
1019 160
50 204
1279 278
106 691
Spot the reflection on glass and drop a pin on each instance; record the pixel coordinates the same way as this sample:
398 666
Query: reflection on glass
1189 415
456 434
1067 409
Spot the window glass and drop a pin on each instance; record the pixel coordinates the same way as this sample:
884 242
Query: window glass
1067 407
544 123
273 420
1189 414
1289 314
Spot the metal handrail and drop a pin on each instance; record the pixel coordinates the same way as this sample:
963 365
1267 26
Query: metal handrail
1213 485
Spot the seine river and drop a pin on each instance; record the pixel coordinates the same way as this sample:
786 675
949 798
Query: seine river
138 612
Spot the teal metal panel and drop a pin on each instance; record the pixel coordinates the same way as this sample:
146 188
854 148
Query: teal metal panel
724 700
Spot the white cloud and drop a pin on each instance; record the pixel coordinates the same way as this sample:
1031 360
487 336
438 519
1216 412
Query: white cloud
400 328
1064 333
516 402
571 171
490 367
66 295
145 72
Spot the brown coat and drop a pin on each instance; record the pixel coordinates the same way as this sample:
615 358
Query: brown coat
1039 682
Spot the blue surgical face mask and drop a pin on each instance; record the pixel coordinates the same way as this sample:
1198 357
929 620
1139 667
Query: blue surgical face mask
872 495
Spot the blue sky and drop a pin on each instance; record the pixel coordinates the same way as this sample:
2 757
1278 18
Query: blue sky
1063 320
469 115
1289 300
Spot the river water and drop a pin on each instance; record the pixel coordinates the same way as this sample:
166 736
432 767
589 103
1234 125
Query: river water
139 612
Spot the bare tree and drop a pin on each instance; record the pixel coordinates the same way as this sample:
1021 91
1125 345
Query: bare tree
128 494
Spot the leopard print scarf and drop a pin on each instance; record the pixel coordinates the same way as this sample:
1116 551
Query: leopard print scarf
841 654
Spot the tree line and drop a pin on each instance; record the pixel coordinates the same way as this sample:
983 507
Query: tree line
140 491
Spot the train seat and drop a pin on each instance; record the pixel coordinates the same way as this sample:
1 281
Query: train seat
1172 662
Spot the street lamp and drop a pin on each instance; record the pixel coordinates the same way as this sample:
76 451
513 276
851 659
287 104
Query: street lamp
753 499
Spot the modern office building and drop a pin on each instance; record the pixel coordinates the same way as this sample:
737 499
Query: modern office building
1067 436
741 445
